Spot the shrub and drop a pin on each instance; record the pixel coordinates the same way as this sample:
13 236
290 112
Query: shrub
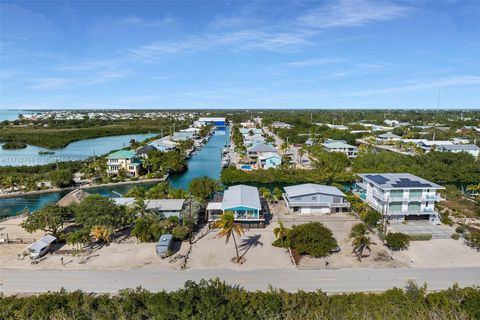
455 236
420 237
181 232
397 241
372 217
473 239
445 218
461 229
311 238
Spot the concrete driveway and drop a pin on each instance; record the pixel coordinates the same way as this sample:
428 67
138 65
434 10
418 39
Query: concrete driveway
423 227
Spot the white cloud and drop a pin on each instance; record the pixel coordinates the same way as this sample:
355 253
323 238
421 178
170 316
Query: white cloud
352 13
421 85
314 62
50 83
134 20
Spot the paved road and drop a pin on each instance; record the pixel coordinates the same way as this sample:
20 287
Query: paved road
342 280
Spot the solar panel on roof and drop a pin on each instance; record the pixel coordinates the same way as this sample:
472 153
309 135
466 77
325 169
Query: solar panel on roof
377 178
407 183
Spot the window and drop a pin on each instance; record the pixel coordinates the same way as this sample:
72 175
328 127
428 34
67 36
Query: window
314 198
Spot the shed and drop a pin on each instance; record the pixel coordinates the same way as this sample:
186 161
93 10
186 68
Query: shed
164 245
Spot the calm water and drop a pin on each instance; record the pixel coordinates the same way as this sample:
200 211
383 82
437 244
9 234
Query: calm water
77 150
205 162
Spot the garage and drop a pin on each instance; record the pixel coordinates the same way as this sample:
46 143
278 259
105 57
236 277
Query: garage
314 210
417 217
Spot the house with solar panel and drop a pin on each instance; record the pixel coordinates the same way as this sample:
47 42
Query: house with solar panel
311 198
400 196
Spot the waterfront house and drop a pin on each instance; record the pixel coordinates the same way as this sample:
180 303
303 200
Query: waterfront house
243 201
338 146
472 149
126 160
260 149
270 160
143 151
400 196
183 136
163 144
165 207
310 198
387 137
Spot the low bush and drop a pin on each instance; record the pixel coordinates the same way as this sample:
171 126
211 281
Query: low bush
181 232
397 241
445 218
311 238
473 239
455 236
420 237
461 229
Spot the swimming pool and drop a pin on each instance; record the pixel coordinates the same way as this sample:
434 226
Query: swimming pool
246 167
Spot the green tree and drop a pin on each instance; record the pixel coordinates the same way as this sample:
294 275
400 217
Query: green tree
147 228
96 210
203 188
51 219
280 233
360 240
311 238
228 228
78 238
61 178
397 241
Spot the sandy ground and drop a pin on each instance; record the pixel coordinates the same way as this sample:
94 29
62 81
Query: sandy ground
16 233
433 253
439 253
112 257
256 245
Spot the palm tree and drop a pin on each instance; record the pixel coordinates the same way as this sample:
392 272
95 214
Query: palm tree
360 240
281 231
301 153
141 206
228 228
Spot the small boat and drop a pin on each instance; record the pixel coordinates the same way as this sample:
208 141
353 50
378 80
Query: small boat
225 162
45 152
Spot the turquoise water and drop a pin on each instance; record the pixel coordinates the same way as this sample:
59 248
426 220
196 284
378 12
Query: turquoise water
77 150
206 161
10 115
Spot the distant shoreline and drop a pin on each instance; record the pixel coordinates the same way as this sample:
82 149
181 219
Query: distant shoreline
20 194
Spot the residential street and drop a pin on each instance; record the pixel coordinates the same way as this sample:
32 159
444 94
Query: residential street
342 280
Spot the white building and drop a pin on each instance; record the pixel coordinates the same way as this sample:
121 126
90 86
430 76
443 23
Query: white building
340 146
311 198
387 137
472 149
400 196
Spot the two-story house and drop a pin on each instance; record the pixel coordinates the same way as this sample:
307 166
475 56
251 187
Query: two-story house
312 198
243 201
340 146
400 196
126 160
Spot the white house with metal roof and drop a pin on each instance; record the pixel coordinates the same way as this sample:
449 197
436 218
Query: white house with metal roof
387 137
242 200
472 149
400 196
312 198
260 149
167 207
340 146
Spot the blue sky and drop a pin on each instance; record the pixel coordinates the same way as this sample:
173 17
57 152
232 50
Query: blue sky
240 54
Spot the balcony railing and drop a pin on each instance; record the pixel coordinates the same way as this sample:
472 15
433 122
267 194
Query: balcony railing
316 203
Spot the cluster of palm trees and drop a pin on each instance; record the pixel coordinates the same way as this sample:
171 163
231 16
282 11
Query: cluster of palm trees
24 183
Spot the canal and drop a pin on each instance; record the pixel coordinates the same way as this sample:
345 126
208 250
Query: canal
206 161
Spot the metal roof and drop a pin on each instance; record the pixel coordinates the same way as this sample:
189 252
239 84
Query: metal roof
241 196
154 204
262 147
270 155
312 188
338 145
459 147
388 135
214 206
122 154
398 181
42 243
